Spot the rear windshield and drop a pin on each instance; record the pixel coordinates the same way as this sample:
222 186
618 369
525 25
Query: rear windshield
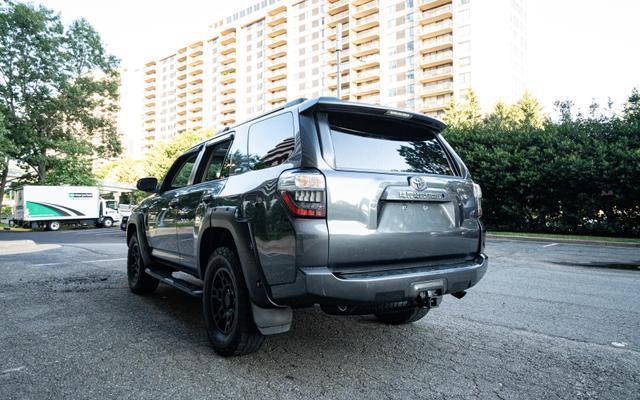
380 144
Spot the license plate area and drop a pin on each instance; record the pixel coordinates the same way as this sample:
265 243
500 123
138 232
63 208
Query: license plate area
416 216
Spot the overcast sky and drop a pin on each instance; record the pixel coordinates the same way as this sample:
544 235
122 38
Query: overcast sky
578 49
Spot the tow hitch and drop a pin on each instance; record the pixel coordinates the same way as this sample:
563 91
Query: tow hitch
429 298
429 293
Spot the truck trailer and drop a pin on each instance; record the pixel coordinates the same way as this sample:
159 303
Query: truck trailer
50 207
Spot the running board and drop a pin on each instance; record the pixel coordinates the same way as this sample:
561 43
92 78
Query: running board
167 278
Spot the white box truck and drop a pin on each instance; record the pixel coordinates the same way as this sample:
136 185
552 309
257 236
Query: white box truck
51 206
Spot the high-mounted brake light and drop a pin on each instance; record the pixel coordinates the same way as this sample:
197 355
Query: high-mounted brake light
303 192
477 193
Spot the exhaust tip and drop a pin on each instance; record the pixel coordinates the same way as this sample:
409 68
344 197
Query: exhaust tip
459 295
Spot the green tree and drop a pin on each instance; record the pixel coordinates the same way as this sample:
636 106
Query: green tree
529 111
59 89
125 170
160 157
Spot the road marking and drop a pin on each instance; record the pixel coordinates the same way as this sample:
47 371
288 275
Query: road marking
79 262
552 244
619 344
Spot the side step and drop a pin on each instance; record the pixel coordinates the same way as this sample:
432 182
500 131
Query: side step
166 277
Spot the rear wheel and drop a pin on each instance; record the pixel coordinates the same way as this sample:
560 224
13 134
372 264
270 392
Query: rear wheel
227 308
139 281
53 226
402 317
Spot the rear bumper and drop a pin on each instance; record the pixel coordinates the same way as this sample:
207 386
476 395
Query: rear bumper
321 285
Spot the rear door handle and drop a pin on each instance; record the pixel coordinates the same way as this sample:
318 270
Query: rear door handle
173 203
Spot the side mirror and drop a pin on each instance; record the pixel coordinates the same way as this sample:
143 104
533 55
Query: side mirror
149 185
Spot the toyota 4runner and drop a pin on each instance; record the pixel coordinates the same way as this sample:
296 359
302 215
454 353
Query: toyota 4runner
360 209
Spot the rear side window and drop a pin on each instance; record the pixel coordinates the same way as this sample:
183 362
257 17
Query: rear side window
363 142
271 141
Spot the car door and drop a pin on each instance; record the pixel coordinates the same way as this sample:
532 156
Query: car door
163 211
193 199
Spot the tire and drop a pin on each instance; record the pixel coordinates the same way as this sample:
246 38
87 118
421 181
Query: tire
227 307
402 317
139 281
107 222
53 226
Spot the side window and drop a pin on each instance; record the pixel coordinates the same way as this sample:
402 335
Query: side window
216 155
180 176
271 141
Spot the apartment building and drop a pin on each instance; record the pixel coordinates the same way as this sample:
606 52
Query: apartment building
412 54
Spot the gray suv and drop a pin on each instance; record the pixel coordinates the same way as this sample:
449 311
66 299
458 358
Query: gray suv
359 209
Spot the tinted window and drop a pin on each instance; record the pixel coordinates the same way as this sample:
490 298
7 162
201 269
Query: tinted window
271 141
181 176
382 144
213 169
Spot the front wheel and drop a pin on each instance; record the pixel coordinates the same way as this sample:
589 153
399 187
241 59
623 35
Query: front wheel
107 223
227 307
402 317
139 281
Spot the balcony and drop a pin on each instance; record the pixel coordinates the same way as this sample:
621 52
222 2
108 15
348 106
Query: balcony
436 74
365 89
344 84
340 18
436 29
227 89
365 9
366 49
228 109
195 88
344 57
277 86
333 31
281 74
150 112
366 36
442 42
436 14
195 72
228 48
277 53
228 121
434 88
282 30
368 75
195 62
431 4
228 59
276 42
337 7
277 63
228 39
150 79
366 23
228 78
228 69
366 63
228 99
436 59
277 20
150 87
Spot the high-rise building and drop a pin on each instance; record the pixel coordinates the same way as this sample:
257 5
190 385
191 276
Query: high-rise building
413 54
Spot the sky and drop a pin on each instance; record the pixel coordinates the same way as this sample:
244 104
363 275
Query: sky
577 49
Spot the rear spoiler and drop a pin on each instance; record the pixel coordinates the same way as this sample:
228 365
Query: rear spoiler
335 104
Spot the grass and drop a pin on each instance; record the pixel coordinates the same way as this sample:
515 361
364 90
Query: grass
566 237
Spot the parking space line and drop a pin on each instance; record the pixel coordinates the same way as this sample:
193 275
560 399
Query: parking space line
552 244
79 262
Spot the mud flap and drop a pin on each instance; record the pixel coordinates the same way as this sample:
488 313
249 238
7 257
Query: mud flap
271 321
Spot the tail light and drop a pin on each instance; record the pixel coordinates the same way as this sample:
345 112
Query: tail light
304 193
477 194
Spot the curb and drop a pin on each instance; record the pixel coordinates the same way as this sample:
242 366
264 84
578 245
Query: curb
16 229
560 240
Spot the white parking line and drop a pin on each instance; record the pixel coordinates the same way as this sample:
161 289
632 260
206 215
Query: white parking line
79 262
552 244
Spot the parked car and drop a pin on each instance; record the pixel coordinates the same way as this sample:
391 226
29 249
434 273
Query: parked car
360 209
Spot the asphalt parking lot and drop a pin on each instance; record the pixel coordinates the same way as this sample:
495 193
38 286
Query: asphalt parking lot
547 321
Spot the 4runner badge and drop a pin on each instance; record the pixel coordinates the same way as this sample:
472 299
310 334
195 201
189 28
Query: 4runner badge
417 183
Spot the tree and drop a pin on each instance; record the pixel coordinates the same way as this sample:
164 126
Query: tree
529 110
6 147
631 109
160 157
125 170
59 89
